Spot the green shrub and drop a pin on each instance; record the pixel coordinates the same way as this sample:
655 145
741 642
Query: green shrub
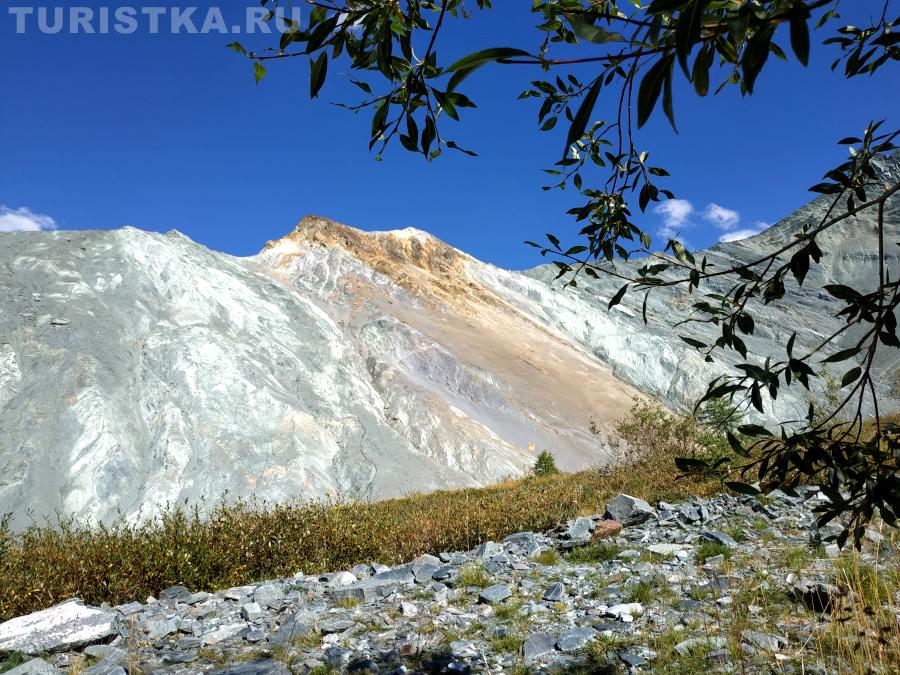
545 465
592 553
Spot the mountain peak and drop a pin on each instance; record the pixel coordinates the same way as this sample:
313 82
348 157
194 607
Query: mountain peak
413 259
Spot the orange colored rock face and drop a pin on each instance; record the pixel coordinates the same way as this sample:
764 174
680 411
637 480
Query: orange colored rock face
606 529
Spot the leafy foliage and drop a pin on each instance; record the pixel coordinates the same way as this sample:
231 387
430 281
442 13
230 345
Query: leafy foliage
635 50
545 465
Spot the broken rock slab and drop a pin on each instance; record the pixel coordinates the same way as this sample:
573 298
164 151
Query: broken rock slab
629 510
69 625
35 667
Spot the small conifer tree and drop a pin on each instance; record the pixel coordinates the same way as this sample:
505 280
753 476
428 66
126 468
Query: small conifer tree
545 465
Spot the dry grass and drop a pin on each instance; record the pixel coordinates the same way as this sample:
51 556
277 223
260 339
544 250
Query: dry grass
244 542
863 630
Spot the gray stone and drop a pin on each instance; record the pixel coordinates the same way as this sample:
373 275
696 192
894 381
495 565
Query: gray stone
629 510
488 550
401 575
269 595
426 559
197 598
339 579
257 635
65 626
177 593
34 667
462 649
632 659
188 643
519 538
160 628
494 594
719 537
238 593
103 652
335 626
424 573
129 608
579 529
555 592
251 611
575 639
293 627
537 645
104 669
261 667
685 647
222 633
665 549
444 573
337 656
764 641
816 595
367 589
625 611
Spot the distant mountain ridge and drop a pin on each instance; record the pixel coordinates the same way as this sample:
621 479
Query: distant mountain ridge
139 369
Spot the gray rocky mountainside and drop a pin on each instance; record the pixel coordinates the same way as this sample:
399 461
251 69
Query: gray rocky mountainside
138 370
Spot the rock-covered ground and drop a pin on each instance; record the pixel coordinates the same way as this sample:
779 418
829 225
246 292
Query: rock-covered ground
728 584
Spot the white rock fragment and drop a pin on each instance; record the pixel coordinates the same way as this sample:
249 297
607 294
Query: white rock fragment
69 625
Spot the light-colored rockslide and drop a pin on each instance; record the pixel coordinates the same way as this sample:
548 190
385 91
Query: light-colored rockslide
138 370
643 600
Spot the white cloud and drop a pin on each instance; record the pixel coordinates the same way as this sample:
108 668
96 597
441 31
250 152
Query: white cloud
724 219
24 220
736 235
675 212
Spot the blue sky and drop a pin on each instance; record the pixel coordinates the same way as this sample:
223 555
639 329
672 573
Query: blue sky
164 131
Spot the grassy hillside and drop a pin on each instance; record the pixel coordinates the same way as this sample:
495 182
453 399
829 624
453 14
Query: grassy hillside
245 542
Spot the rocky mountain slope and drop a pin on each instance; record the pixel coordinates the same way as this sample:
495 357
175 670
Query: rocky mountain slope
140 369
652 357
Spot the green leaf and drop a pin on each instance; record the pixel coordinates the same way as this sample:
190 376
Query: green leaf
579 123
667 99
755 54
700 73
617 298
851 376
753 430
736 445
741 488
800 265
800 37
318 69
651 86
238 47
259 71
842 355
693 342
465 66
591 33
687 31
689 464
